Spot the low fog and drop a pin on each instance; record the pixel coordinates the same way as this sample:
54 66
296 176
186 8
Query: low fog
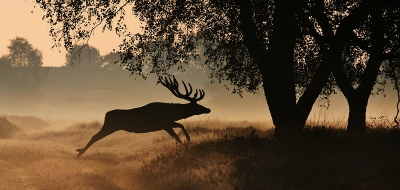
88 93
85 94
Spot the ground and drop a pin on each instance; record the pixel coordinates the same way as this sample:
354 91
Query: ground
221 155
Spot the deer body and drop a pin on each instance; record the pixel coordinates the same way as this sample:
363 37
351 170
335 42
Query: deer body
152 117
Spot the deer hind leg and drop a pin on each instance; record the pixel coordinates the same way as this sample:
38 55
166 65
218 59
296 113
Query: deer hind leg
184 131
101 134
171 132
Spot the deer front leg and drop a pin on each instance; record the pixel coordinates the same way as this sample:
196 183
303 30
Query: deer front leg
171 132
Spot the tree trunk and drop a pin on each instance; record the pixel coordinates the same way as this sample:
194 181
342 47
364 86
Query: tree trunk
359 101
313 90
357 114
276 64
279 83
357 98
276 68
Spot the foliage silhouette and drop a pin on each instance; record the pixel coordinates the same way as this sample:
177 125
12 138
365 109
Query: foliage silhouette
5 62
154 116
111 61
289 48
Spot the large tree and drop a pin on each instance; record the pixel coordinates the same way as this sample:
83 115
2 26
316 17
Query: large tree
287 48
356 45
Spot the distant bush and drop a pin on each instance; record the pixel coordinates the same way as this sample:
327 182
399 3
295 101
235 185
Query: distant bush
7 129
27 123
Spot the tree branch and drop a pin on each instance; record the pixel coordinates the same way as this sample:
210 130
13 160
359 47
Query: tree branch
249 30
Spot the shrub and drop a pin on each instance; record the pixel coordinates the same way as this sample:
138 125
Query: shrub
7 129
27 123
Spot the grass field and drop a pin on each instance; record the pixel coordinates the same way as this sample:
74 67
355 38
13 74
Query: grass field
221 155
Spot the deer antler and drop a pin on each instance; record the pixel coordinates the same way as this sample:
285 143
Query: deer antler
173 86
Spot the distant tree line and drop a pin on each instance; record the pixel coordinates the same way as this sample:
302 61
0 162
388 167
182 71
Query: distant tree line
85 55
21 74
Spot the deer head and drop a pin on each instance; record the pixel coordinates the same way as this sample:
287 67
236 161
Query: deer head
192 108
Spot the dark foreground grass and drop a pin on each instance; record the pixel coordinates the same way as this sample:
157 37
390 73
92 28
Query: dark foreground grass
316 159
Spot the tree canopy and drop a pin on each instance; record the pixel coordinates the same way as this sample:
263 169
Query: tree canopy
294 50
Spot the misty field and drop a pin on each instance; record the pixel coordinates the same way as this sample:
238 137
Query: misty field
221 155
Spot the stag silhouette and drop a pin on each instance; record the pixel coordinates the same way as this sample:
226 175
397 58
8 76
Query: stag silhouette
153 116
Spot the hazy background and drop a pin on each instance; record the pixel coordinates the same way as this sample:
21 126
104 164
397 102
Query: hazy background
22 18
87 93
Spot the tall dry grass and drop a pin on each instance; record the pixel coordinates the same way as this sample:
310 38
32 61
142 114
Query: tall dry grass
221 155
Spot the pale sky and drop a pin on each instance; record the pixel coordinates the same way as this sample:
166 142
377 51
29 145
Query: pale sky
16 19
